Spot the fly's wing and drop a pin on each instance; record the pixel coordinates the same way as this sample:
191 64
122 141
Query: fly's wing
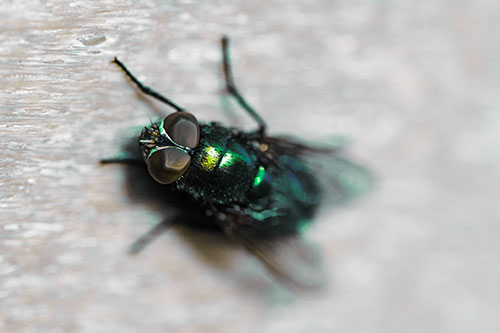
341 179
288 258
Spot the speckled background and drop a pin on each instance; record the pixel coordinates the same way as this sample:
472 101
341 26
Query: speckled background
413 85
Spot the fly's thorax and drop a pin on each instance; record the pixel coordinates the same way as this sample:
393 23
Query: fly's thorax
223 166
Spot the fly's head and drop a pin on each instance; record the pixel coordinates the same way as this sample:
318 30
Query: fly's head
167 146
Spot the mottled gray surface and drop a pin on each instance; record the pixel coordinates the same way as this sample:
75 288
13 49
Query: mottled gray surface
413 84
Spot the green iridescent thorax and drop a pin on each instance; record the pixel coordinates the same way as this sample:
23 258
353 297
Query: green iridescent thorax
223 167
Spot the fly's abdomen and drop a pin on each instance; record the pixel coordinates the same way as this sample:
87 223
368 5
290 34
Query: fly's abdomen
284 197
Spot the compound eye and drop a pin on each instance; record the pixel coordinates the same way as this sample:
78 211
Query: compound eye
183 128
168 164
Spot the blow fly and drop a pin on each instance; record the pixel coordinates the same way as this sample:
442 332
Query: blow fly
260 190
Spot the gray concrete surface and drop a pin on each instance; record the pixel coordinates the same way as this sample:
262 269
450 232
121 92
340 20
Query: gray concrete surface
414 85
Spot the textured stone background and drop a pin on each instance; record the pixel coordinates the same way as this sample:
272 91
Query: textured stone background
414 85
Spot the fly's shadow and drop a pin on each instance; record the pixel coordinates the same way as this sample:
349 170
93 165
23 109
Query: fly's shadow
181 214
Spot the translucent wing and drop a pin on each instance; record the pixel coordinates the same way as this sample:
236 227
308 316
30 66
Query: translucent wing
281 249
340 178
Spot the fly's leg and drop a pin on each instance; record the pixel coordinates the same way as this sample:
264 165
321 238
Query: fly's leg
145 89
231 87
123 160
149 236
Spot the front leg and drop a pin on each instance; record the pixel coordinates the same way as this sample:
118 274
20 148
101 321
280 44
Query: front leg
123 160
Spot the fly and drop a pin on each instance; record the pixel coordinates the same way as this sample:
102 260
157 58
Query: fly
258 189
